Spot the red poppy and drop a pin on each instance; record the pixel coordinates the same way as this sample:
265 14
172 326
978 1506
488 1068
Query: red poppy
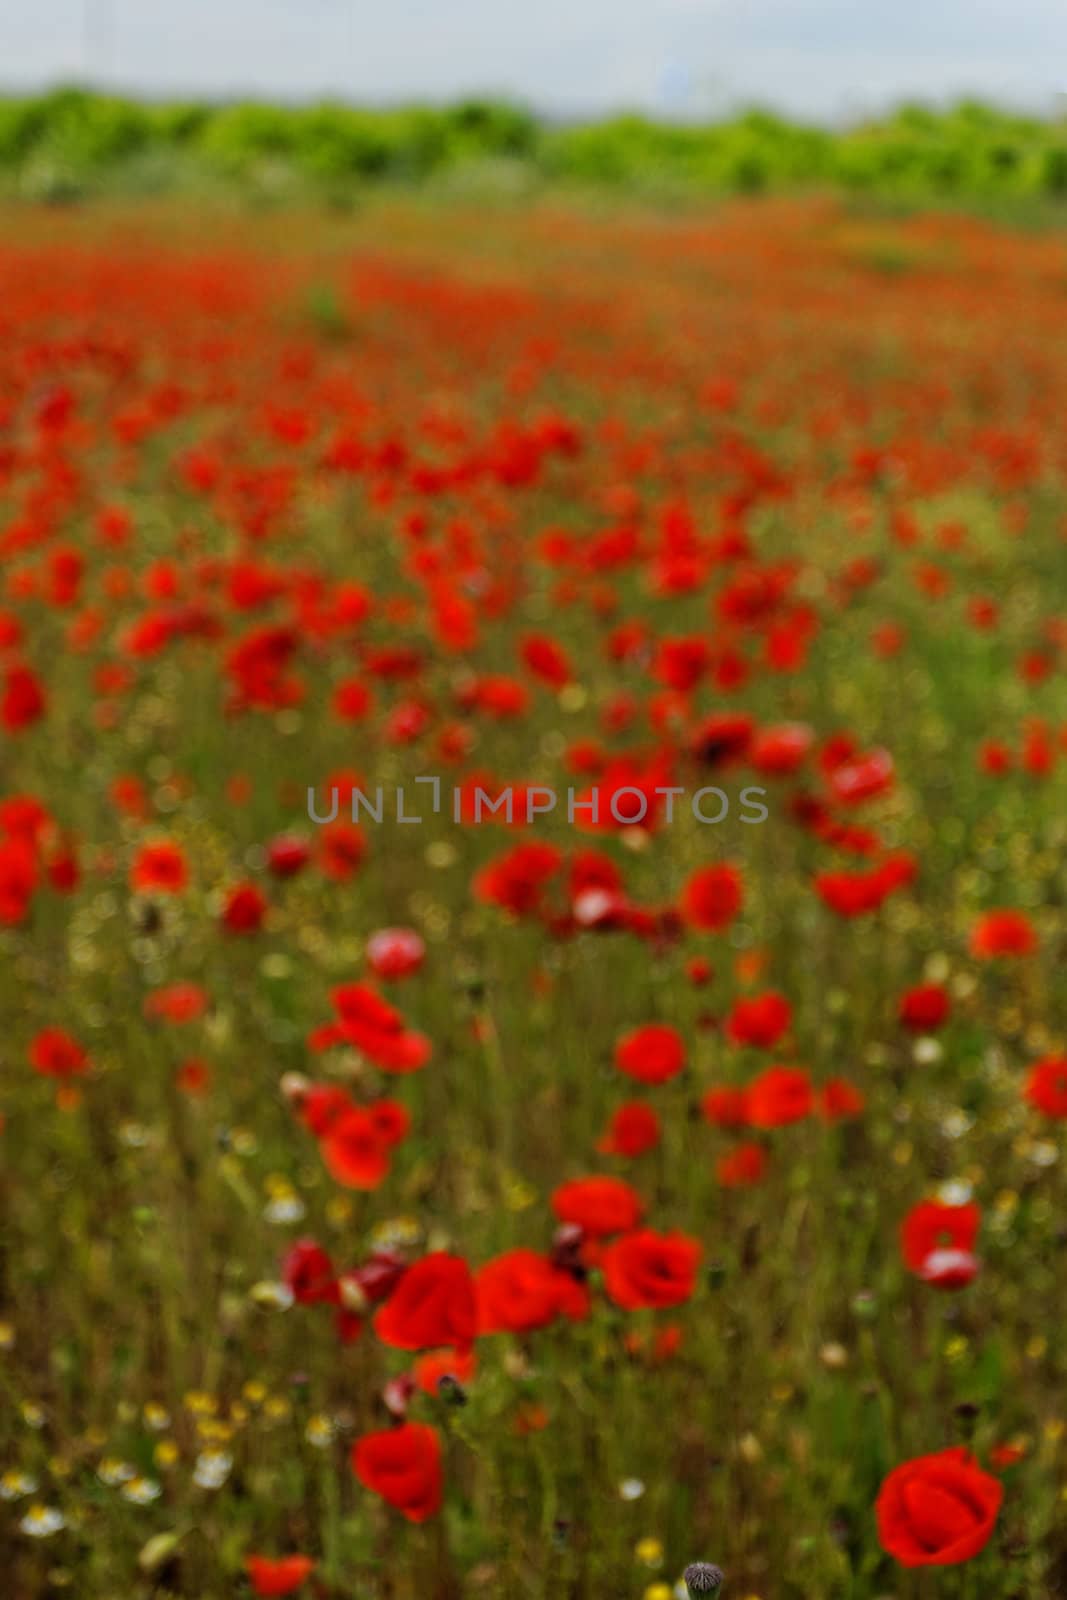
433 1304
18 879
1046 1086
244 909
725 1107
599 1206
937 1242
925 1008
288 854
634 1128
521 1290
403 1465
54 1053
280 1577
1003 933
395 953
178 1002
516 881
159 869
712 898
354 1150
742 1166
649 1270
436 1365
546 660
342 847
23 701
759 1021
652 1054
839 1100
308 1271
937 1510
376 1028
775 752
194 1077
778 1096
862 777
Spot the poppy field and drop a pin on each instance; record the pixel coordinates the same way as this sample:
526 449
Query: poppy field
533 794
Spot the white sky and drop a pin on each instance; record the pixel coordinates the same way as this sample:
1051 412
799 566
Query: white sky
823 58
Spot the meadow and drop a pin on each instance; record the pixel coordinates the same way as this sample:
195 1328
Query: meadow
467 1207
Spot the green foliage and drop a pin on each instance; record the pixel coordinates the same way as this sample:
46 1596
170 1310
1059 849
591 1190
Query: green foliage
970 150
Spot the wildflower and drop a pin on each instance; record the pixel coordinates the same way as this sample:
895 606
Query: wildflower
40 1522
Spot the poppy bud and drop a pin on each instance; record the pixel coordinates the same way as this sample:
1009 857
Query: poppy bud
702 1578
450 1389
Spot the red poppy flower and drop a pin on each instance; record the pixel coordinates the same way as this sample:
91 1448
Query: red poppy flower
937 1242
433 1304
516 881
178 1002
652 1054
280 1577
839 1100
725 1107
1046 1086
546 660
778 1096
159 869
23 701
194 1077
395 953
373 1026
759 1021
649 1270
634 1128
775 752
599 1206
862 778
244 909
429 1370
18 879
712 898
521 1290
937 1510
308 1271
742 1166
1003 933
54 1053
403 1465
354 1150
925 1008
287 855
342 847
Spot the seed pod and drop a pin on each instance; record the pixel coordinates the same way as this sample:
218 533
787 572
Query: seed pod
702 1578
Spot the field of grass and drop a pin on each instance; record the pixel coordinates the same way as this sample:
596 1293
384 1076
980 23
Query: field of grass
457 1208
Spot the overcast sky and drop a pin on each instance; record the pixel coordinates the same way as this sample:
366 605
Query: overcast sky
824 58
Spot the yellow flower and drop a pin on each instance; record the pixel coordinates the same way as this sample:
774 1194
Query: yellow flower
166 1453
201 1404
649 1552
